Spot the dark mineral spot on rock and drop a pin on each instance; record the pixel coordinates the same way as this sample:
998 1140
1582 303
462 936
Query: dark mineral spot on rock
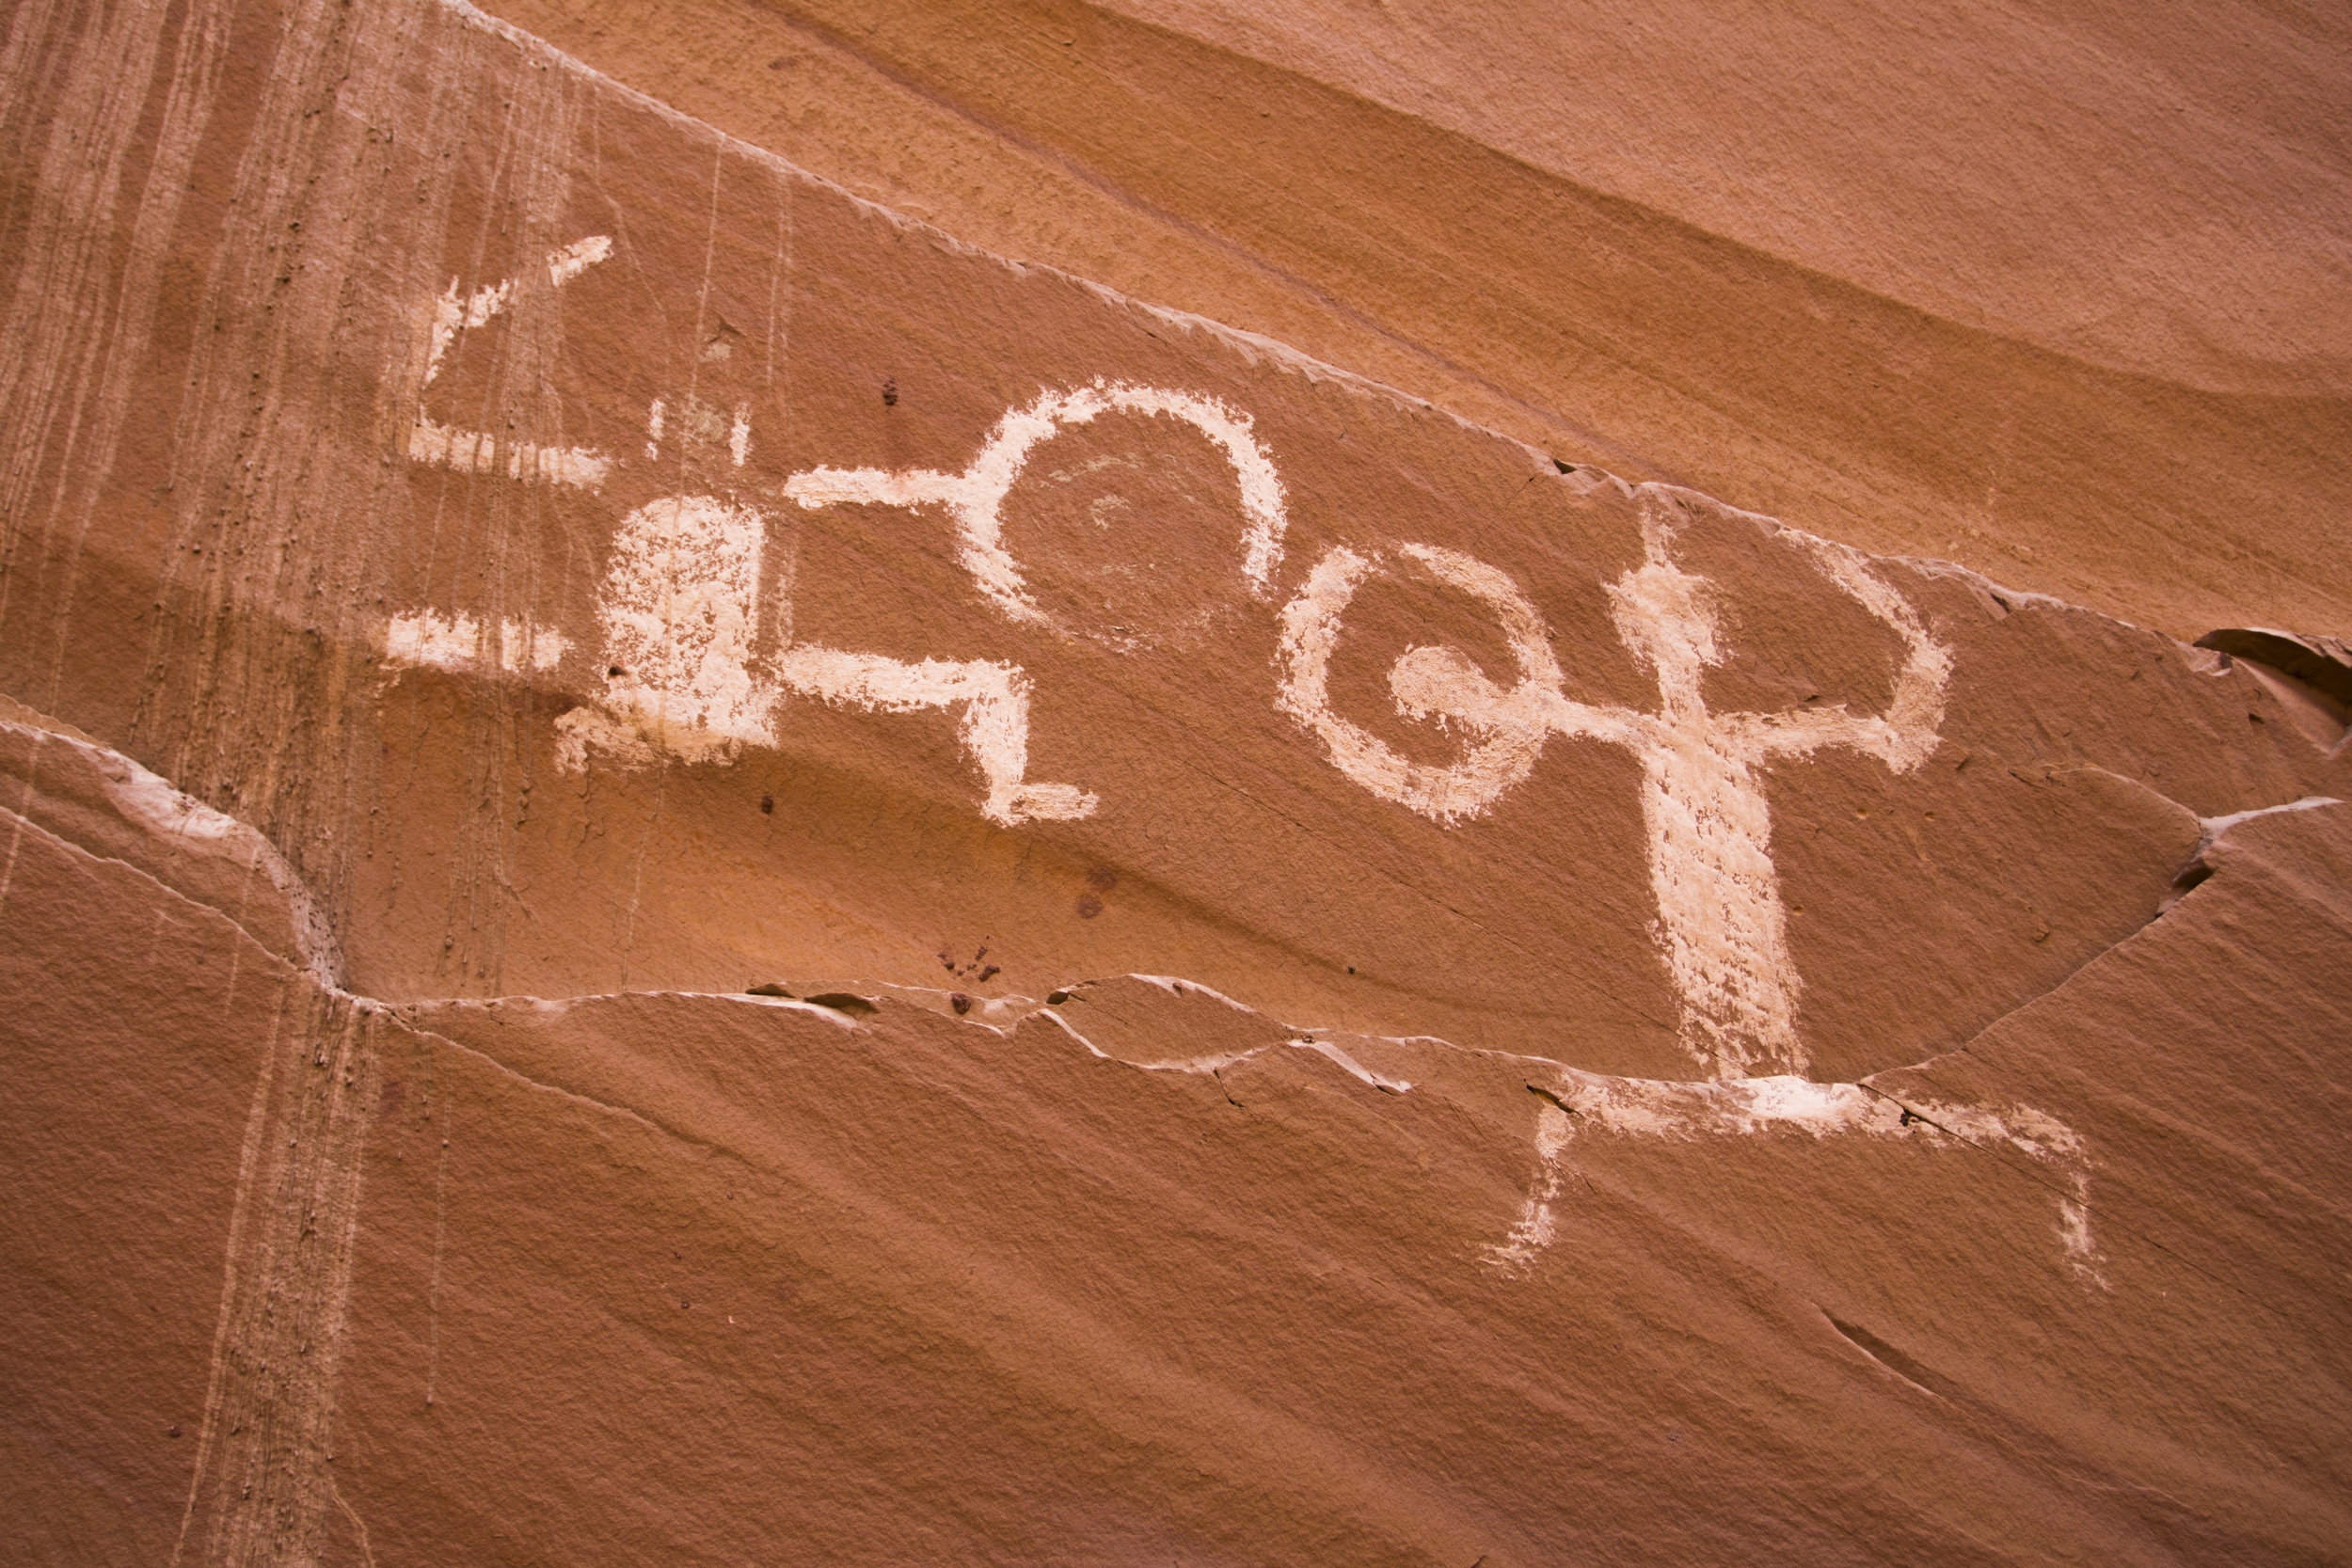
768 805
890 393
1088 906
960 1001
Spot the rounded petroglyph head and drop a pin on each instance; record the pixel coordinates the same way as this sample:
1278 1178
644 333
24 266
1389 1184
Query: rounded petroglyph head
1123 528
1133 524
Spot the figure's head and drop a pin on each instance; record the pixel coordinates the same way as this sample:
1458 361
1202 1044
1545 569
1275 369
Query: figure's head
1130 516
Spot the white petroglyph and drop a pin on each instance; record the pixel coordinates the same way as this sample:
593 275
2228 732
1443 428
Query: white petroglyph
679 615
456 643
1577 1103
976 497
1589 1103
995 696
453 314
1721 920
477 451
679 609
1537 1227
994 727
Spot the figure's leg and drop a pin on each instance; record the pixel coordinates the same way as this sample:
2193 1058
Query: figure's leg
995 719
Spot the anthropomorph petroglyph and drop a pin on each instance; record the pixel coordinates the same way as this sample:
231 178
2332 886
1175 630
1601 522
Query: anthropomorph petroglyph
682 676
680 601
680 605
1721 920
994 696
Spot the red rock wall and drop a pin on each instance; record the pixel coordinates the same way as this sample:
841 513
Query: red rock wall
2050 291
694 873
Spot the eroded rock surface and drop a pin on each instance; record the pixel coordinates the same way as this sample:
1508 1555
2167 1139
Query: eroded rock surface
693 873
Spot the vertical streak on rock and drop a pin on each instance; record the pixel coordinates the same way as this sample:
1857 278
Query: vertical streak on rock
783 531
26 43
193 87
58 332
339 217
498 564
243 700
263 1484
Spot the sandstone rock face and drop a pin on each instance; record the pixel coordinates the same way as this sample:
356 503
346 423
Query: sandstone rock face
693 873
2050 291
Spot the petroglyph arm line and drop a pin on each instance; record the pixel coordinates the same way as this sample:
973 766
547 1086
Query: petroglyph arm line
976 495
878 486
995 728
473 451
476 451
456 642
454 312
1902 738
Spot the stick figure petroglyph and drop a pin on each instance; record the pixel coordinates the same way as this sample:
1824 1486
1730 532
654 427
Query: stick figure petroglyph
679 605
976 497
995 695
679 616
1721 920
